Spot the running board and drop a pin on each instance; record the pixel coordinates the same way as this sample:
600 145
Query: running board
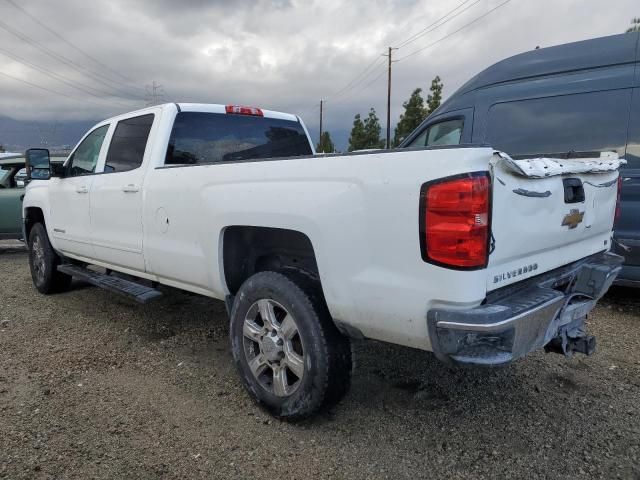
126 288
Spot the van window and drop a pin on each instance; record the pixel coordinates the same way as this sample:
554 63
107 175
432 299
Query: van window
447 132
584 122
129 141
200 137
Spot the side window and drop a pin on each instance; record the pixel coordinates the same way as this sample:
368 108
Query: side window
128 143
447 132
584 122
84 159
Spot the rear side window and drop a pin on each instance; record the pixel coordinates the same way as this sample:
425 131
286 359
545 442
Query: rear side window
584 122
128 143
199 137
447 132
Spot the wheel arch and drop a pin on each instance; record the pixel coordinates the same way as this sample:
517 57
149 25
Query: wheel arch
32 215
247 250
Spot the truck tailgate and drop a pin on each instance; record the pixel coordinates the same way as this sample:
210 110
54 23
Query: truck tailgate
547 213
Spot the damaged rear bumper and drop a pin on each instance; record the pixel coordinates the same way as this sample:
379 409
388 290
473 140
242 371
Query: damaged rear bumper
547 310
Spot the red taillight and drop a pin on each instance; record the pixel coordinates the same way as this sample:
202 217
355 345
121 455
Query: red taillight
455 221
239 110
618 206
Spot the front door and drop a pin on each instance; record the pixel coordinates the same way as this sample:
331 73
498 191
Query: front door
116 196
69 198
10 203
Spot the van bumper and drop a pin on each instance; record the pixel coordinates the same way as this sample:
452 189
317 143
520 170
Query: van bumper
629 276
546 310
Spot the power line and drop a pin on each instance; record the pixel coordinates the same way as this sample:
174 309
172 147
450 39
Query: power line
61 78
382 72
46 89
59 57
415 52
75 47
366 73
381 65
346 87
435 25
308 111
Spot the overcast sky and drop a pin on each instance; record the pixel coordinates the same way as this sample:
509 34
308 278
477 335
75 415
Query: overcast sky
280 54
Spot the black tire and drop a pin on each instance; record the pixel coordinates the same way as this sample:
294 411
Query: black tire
43 263
326 353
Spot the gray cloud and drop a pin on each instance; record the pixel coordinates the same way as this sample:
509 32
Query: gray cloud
280 54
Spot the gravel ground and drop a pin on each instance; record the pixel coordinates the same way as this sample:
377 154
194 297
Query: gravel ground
92 386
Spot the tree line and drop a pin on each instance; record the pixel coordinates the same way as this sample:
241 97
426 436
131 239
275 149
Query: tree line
366 132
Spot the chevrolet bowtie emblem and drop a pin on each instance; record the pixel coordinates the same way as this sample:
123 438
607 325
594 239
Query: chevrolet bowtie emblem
572 219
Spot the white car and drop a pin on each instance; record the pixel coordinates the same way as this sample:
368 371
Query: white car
461 251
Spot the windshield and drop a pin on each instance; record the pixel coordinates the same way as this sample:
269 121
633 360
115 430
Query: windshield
217 137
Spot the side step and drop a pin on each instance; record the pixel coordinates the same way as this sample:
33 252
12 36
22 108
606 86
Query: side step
126 288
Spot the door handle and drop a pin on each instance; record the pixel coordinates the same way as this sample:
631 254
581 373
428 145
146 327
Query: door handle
131 188
82 189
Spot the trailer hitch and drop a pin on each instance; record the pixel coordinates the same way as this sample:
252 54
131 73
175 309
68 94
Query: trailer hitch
572 338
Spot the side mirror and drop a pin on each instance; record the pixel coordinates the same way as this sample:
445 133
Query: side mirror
38 164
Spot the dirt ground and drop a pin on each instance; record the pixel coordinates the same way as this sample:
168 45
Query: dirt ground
93 386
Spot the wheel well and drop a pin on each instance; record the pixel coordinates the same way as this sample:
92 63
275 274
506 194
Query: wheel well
248 250
33 215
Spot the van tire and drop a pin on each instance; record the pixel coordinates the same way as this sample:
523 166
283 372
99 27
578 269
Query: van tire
43 263
322 350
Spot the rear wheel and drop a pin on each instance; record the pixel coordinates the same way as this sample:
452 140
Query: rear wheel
290 355
43 263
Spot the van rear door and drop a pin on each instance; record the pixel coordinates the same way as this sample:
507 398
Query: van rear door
627 227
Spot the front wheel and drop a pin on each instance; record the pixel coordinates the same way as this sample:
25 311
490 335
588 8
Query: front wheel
290 355
43 263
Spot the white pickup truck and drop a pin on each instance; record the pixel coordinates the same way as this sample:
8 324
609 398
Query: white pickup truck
462 251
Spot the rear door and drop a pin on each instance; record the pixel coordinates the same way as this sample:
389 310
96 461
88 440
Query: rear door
116 195
627 228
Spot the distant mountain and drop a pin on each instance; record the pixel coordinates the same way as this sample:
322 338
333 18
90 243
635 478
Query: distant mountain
17 135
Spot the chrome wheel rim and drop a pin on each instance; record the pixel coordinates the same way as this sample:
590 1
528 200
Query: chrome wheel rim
38 258
273 347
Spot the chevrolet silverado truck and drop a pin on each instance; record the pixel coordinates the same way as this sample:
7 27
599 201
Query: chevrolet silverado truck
462 251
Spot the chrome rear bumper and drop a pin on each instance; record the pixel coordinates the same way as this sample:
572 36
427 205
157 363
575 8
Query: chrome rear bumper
526 316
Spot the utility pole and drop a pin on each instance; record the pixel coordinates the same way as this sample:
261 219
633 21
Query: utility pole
389 98
320 140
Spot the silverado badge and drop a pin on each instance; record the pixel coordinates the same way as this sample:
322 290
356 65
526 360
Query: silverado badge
572 219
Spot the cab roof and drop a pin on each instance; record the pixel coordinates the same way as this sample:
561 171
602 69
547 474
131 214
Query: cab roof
199 107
